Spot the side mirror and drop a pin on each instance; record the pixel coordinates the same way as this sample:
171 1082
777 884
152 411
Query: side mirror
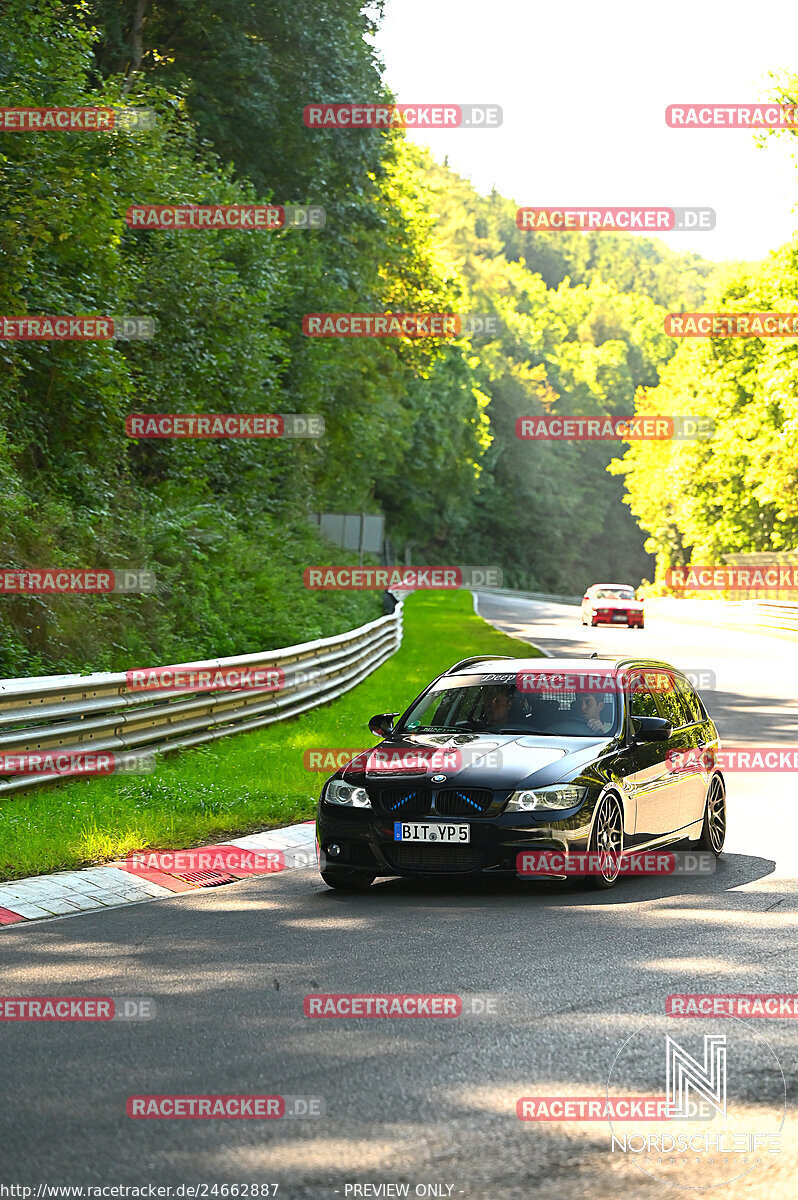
651 729
382 724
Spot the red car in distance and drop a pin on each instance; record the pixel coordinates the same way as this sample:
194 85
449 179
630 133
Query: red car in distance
612 604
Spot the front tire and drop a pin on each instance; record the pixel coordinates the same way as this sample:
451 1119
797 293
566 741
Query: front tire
713 831
607 840
347 881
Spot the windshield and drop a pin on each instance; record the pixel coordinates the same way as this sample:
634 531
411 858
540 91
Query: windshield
504 708
615 594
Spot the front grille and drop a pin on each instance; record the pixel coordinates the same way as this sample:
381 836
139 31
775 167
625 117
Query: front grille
417 856
358 854
412 802
406 801
454 803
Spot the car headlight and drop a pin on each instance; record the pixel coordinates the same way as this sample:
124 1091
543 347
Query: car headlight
339 792
561 796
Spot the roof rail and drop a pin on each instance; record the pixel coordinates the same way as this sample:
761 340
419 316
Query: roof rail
467 662
646 662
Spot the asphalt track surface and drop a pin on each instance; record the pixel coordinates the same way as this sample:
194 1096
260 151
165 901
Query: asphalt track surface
571 975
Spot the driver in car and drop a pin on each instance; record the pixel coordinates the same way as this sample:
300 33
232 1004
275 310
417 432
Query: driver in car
589 709
496 711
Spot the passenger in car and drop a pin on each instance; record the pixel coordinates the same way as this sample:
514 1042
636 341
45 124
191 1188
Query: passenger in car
589 709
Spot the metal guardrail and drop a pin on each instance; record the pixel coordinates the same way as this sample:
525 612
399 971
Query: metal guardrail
491 591
781 614
100 713
715 612
736 614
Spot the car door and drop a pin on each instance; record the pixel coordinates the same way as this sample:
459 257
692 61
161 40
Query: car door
685 764
650 782
699 739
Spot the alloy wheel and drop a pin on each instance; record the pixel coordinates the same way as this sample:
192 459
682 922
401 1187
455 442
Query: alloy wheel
608 838
716 815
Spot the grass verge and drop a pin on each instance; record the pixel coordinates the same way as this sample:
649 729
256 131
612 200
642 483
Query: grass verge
244 782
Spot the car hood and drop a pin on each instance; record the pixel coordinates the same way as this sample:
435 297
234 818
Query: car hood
495 761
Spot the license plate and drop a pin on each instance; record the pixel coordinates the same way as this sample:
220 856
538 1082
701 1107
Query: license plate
619 617
404 831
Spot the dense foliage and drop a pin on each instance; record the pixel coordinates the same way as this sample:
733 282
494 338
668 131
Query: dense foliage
735 491
421 431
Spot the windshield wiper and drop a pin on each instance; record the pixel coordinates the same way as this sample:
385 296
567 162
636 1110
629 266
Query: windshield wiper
517 730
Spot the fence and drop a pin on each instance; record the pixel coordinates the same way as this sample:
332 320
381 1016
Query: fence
777 613
739 614
491 591
101 714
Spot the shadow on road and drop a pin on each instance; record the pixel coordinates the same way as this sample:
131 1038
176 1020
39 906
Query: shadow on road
732 871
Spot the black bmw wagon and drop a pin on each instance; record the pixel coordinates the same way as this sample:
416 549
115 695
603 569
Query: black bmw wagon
502 756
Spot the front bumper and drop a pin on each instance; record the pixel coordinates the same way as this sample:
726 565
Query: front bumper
367 843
